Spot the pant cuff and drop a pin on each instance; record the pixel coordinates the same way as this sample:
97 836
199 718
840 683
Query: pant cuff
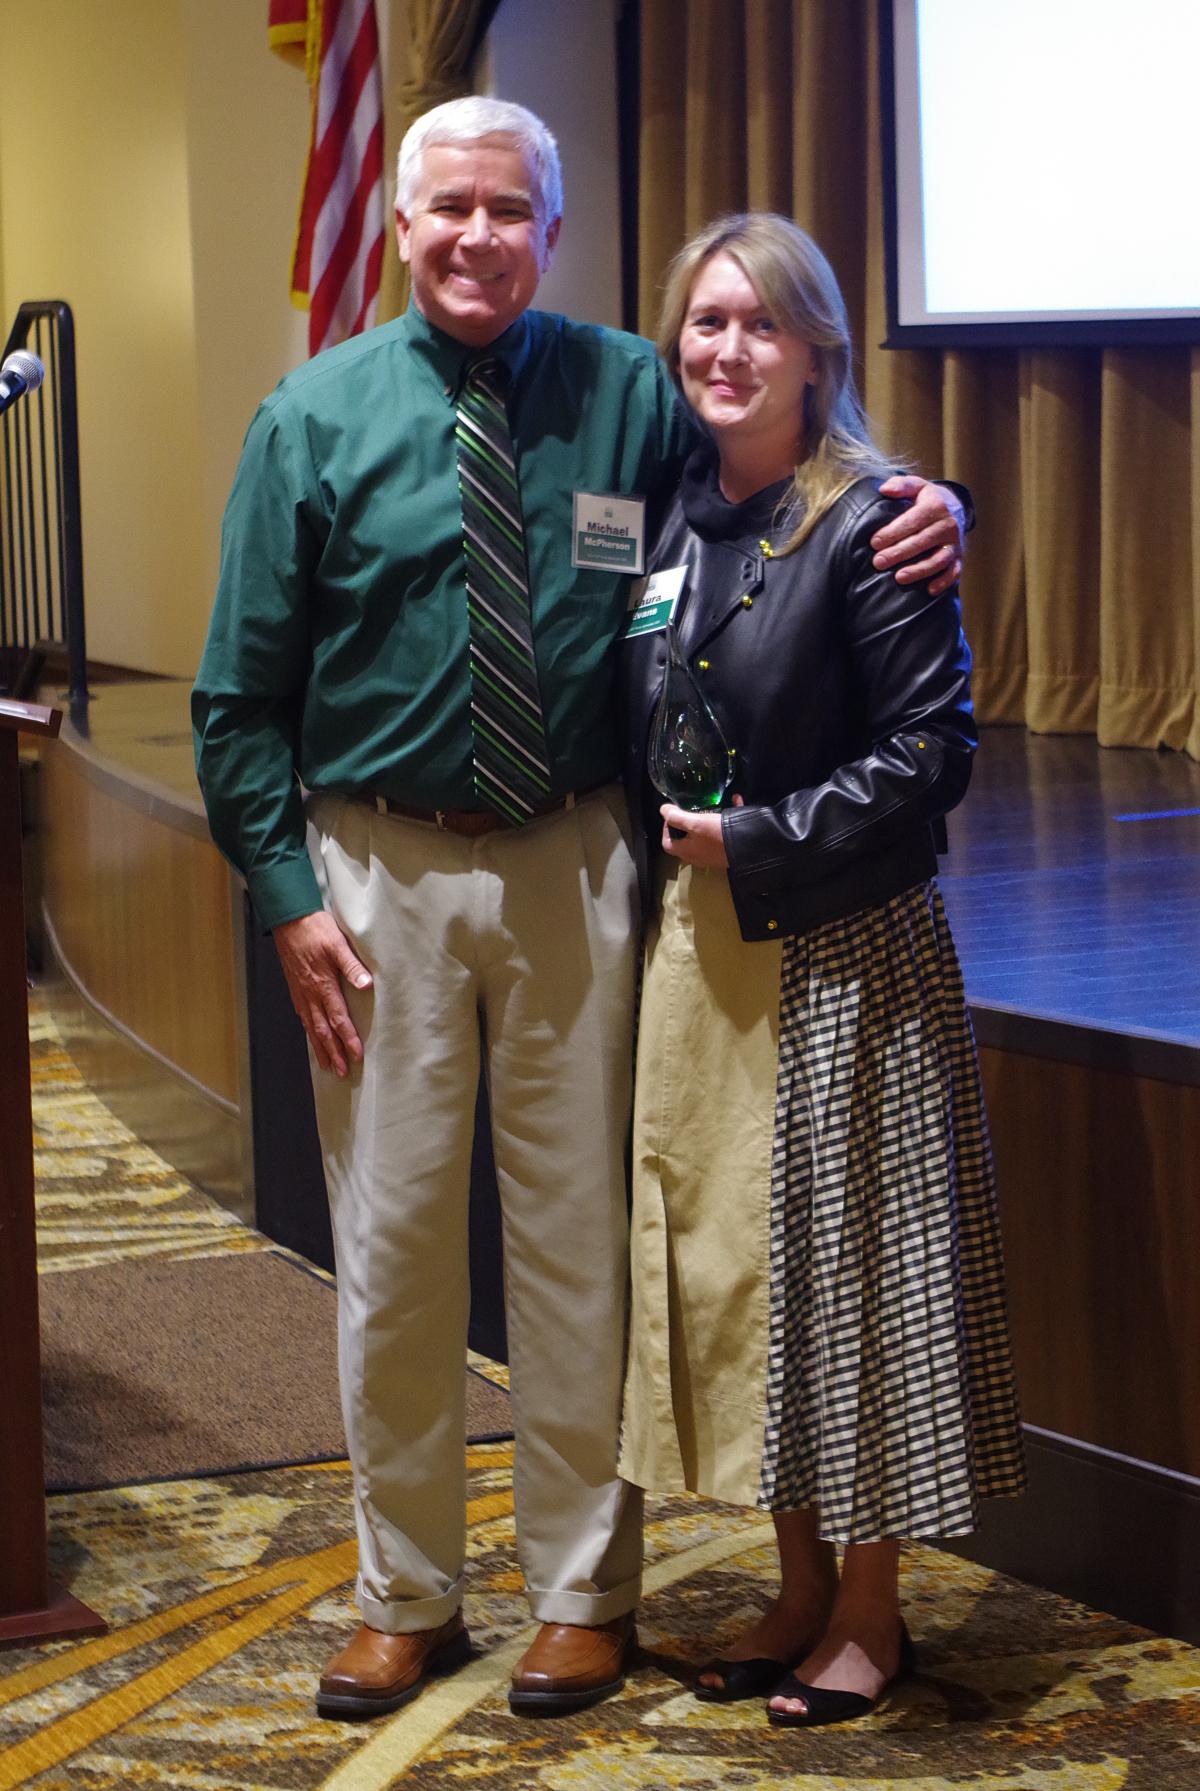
401 1616
584 1608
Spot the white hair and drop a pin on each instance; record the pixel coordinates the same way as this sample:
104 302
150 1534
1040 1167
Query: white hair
469 121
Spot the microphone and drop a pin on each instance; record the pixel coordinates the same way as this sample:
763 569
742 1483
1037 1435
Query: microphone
22 372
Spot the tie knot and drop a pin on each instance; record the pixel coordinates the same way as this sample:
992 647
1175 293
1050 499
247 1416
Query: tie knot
488 374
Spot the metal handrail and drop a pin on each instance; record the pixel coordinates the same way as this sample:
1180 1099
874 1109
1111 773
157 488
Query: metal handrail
41 538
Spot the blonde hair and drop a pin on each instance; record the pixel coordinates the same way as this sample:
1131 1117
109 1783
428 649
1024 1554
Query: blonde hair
800 294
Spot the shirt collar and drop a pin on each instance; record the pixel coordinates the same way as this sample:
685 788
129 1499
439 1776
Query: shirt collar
448 359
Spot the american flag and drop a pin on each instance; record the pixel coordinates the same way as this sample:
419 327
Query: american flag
340 237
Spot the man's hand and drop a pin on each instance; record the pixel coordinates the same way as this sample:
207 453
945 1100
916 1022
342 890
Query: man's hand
703 843
932 526
316 956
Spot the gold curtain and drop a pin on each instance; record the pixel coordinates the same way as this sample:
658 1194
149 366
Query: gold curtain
432 46
1082 588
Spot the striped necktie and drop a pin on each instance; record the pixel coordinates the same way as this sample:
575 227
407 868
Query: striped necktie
512 773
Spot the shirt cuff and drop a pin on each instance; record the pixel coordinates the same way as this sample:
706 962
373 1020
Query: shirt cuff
964 498
284 892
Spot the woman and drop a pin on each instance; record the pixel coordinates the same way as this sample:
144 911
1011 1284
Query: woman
818 1322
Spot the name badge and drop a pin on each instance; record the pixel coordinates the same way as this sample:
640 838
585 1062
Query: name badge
652 605
609 533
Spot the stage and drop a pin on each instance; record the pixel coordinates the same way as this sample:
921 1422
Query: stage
1073 888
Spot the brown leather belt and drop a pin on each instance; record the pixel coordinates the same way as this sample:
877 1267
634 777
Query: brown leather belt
471 823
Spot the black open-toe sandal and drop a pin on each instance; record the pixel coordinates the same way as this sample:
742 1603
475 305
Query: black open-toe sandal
742 1679
827 1706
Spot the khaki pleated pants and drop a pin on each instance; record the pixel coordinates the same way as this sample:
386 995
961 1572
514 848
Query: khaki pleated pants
529 937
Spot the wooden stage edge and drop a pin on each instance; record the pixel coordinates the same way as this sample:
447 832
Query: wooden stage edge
1065 1040
1073 887
140 929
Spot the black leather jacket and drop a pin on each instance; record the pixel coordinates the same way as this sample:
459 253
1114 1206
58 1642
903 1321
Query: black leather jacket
845 695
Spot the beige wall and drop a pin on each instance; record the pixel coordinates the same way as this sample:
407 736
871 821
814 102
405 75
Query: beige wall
247 118
150 158
151 154
561 62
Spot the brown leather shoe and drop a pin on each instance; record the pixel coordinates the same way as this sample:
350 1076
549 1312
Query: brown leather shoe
377 1672
569 1667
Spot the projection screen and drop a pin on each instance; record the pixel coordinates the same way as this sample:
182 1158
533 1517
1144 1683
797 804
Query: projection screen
1040 171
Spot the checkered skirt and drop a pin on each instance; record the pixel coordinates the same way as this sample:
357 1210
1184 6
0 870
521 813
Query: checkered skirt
818 1312
890 1396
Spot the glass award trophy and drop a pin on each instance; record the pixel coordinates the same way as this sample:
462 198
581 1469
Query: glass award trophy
689 760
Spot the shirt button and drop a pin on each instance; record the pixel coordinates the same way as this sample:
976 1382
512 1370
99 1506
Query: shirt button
747 601
772 926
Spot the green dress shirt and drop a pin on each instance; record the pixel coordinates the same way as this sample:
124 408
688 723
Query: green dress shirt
337 650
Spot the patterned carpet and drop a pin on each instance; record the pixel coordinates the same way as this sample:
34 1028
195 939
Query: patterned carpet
226 1597
101 1195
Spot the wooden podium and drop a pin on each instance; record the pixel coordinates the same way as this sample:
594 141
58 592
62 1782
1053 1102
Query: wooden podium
31 1608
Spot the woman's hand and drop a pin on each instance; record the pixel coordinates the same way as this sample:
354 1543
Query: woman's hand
703 844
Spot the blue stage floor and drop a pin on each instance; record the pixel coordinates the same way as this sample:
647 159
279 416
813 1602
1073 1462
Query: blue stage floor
1073 889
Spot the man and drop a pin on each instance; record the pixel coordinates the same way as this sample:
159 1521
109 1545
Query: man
467 875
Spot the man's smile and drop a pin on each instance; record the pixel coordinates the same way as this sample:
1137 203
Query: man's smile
475 242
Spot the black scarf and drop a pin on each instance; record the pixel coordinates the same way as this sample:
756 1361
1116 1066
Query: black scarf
710 514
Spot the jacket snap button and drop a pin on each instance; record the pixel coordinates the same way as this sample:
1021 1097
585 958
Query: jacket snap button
702 664
747 601
772 926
